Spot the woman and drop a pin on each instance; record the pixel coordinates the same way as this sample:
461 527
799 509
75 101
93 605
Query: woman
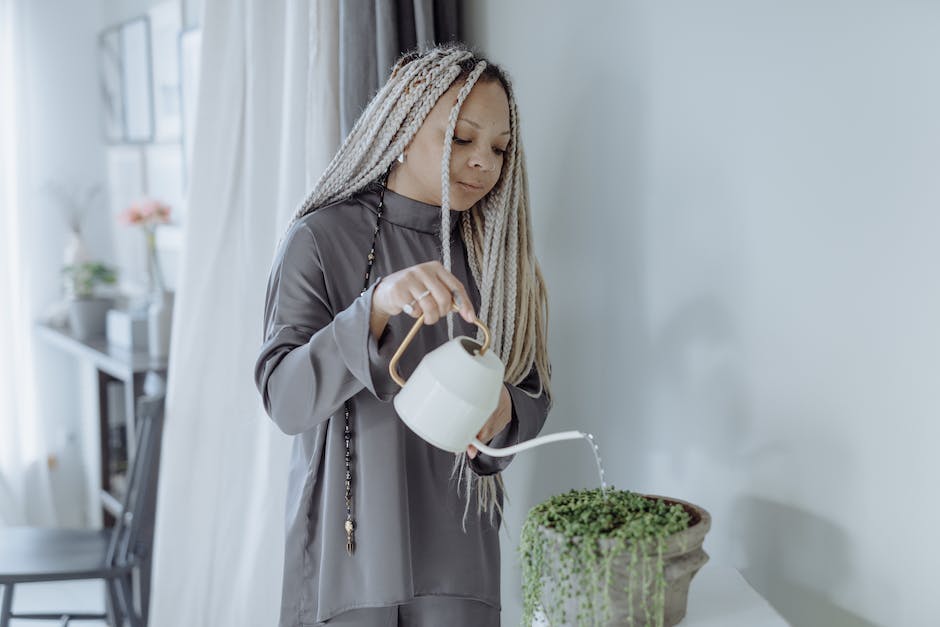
377 533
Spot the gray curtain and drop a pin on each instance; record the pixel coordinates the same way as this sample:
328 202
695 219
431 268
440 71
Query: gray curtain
373 33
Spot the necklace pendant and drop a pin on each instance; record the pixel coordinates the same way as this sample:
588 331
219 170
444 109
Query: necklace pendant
350 542
350 526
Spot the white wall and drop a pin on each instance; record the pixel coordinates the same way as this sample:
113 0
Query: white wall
59 125
736 208
59 118
59 113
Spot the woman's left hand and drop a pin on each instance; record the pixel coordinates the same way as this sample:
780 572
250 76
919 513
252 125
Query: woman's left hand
496 422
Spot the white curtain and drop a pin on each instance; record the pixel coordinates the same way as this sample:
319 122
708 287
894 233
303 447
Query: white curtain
267 126
23 470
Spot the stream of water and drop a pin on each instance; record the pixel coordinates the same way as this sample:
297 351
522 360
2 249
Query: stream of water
597 457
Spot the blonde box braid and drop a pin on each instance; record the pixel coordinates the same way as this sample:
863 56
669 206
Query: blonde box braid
499 295
496 231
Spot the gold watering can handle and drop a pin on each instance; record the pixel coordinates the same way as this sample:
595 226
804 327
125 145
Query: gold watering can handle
393 365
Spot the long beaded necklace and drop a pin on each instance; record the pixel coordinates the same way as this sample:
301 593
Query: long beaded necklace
350 525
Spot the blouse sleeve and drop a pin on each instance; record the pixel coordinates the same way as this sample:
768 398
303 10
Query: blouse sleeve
528 417
312 359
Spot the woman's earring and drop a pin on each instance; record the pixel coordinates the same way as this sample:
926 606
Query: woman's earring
401 158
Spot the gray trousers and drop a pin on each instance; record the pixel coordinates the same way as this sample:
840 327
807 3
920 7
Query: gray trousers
425 611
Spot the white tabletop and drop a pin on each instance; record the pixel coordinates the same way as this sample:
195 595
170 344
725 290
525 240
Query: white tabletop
720 597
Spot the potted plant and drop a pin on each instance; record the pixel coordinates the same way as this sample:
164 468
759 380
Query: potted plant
88 308
610 557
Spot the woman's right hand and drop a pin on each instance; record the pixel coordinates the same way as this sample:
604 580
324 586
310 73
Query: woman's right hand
398 289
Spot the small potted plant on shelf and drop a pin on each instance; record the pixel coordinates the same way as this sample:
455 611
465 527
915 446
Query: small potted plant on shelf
610 557
88 306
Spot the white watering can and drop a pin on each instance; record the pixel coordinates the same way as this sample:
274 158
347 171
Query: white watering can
453 392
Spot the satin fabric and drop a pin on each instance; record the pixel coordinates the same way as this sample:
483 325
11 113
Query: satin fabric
318 352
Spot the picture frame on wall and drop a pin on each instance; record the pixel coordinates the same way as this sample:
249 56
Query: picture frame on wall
111 86
136 74
165 25
190 45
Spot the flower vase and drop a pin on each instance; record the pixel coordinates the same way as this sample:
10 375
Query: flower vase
159 324
160 309
155 283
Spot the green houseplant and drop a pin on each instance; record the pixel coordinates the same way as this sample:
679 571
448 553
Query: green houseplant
610 557
88 308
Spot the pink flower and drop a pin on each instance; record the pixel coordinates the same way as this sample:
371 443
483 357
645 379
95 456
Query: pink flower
147 212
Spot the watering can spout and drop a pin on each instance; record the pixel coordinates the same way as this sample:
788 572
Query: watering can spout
511 450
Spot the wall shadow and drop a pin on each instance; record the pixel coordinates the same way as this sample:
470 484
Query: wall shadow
796 559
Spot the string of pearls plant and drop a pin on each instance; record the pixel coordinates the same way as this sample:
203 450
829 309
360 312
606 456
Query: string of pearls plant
588 529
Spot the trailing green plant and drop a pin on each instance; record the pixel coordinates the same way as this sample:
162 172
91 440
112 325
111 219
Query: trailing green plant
592 528
81 279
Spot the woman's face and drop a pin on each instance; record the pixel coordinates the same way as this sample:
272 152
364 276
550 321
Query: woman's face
479 145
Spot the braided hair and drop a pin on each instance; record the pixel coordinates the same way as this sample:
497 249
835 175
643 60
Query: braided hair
496 231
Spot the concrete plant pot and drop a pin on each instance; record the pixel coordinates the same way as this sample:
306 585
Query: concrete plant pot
683 556
88 316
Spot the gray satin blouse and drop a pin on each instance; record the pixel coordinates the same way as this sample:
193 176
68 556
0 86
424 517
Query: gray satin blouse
318 351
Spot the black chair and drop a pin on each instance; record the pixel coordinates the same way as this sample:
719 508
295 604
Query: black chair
30 555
